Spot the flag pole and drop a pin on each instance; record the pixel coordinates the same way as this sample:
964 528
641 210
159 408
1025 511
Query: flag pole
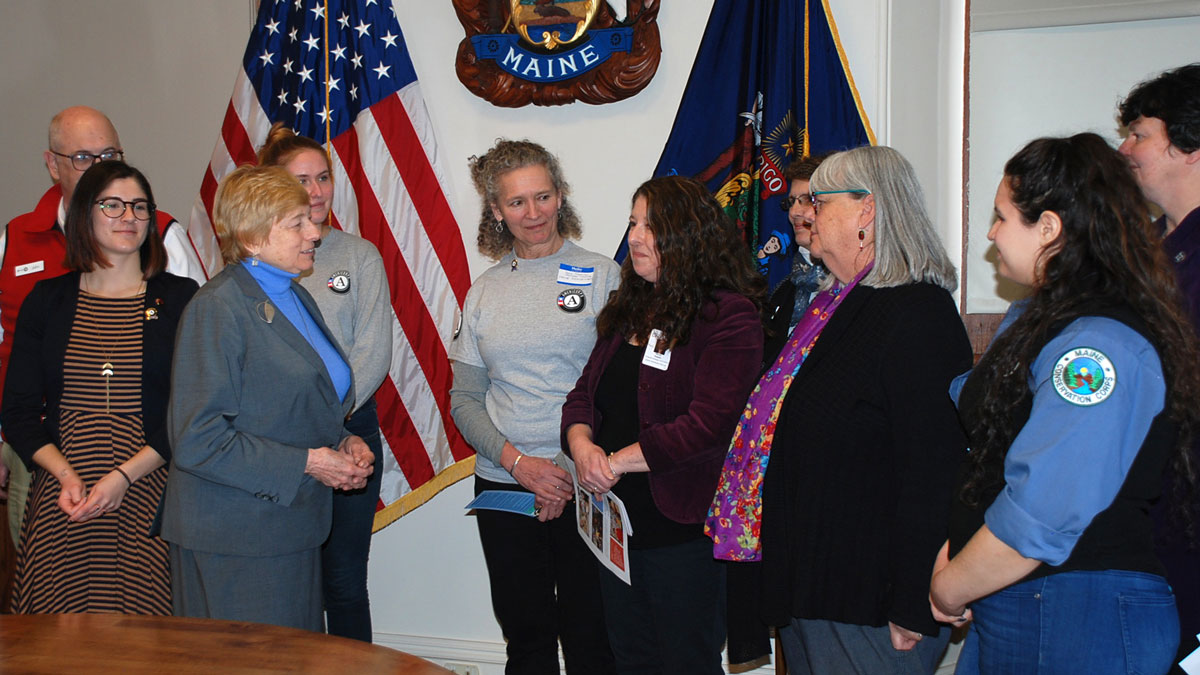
805 151
328 112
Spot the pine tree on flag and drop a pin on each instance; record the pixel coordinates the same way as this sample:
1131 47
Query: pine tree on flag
770 84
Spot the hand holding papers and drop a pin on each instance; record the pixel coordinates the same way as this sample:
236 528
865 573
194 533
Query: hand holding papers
604 525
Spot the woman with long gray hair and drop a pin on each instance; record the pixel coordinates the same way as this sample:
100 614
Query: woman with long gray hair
863 441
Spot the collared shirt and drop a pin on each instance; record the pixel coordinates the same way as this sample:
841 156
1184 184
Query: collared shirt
1068 462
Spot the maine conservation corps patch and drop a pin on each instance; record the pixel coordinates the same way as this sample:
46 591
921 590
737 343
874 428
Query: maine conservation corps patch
1084 376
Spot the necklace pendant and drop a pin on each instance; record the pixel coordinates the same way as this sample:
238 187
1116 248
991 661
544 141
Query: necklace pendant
107 369
514 265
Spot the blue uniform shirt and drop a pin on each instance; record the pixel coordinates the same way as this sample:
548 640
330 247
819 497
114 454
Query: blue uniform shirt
1068 462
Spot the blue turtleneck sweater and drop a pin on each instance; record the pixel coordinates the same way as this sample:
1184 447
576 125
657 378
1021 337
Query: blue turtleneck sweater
278 286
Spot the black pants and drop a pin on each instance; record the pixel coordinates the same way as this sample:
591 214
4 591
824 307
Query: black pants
672 619
545 587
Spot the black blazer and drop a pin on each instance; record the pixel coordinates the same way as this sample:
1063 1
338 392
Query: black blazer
33 387
866 453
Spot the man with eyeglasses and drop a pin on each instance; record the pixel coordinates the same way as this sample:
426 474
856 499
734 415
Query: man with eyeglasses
33 248
791 298
1162 116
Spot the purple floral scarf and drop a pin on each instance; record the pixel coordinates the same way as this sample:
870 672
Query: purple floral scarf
735 518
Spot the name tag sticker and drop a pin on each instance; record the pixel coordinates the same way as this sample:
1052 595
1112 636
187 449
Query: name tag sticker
575 276
657 355
29 268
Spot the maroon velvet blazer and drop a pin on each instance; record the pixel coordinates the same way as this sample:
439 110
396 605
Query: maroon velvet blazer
687 413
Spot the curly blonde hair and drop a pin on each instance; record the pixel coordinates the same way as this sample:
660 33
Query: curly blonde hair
486 171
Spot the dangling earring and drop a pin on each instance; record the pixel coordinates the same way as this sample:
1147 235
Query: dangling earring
499 225
862 235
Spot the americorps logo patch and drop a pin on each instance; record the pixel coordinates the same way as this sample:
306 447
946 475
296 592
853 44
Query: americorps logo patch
1085 376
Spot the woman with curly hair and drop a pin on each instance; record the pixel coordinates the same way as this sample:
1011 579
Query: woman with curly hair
678 350
527 325
1073 414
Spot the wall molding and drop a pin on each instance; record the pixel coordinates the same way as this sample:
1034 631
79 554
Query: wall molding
441 650
883 83
988 15
490 656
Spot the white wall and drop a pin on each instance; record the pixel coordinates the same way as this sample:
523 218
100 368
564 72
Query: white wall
606 152
1033 82
165 78
161 69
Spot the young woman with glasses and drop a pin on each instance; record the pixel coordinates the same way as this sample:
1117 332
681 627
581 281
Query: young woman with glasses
85 406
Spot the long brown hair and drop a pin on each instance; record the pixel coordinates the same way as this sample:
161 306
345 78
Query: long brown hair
1107 253
699 252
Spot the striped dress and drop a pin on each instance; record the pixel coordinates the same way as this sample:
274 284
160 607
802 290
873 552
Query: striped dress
107 564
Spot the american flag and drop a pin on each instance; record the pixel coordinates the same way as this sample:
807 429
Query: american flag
339 71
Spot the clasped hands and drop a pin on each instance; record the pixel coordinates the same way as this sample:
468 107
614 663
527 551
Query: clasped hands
550 484
592 464
81 504
346 468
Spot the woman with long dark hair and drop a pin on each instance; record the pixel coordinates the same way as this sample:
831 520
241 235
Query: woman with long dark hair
1084 397
679 347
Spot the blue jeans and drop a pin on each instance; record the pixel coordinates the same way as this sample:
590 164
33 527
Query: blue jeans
1099 622
344 554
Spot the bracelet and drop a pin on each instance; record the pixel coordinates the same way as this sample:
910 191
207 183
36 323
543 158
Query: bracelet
514 466
123 475
610 467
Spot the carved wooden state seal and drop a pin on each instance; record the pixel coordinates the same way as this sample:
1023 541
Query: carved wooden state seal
553 52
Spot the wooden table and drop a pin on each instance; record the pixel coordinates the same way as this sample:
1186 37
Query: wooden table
117 643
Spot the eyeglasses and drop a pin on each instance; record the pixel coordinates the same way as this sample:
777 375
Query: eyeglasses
115 208
788 201
82 161
817 203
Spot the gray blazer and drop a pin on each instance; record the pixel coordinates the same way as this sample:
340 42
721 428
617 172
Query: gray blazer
249 397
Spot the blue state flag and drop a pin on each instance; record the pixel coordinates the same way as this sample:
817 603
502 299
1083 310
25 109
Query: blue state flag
770 84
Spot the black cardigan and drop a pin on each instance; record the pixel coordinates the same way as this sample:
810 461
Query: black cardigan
865 458
33 388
